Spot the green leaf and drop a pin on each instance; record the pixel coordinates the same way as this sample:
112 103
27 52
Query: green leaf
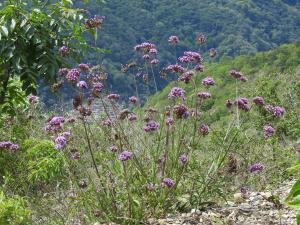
12 24
4 30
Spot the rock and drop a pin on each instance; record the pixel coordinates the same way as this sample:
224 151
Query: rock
238 198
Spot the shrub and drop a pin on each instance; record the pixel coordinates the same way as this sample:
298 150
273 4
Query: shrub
13 210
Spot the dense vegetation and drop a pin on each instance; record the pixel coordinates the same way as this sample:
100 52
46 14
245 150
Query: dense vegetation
232 27
216 129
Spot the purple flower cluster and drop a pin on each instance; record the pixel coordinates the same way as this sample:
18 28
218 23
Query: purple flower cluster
183 159
60 142
82 84
204 129
180 111
268 131
73 75
7 145
55 124
146 57
97 88
174 40
132 117
193 56
238 75
94 22
106 123
114 148
199 68
115 97
276 111
257 167
208 81
33 99
259 100
169 121
153 51
64 51
168 182
212 52
63 72
242 103
175 68
186 76
200 39
84 67
154 61
125 155
145 46
204 95
151 126
176 92
133 99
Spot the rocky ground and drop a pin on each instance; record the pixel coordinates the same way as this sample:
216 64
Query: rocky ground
254 208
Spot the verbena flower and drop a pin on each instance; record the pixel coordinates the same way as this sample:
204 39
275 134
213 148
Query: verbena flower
146 57
107 123
7 145
168 182
61 140
84 67
94 22
114 148
174 40
150 187
259 100
154 61
180 111
125 155
199 68
257 167
169 121
212 52
145 46
269 131
208 81
204 95
242 103
33 99
153 51
201 39
204 129
175 68
176 92
132 117
194 56
133 99
64 51
63 72
73 75
113 97
276 111
97 88
82 84
186 76
236 74
151 126
183 159
66 135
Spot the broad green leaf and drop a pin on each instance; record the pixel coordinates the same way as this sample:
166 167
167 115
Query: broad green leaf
12 24
4 30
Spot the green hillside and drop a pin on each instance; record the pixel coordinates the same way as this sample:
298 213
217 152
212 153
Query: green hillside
232 27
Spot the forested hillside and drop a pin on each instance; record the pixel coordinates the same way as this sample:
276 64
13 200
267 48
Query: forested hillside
232 27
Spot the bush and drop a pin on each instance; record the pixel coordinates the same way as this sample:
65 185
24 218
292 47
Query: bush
13 210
